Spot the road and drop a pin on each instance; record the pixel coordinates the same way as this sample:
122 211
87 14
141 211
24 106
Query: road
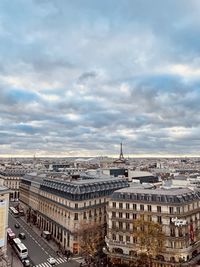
39 251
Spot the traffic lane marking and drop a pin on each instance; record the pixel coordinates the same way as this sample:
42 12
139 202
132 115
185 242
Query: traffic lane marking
30 235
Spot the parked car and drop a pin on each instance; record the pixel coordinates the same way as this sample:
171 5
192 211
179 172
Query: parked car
52 261
17 225
22 236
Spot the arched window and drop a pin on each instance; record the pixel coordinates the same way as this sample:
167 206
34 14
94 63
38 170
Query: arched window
118 250
160 257
172 259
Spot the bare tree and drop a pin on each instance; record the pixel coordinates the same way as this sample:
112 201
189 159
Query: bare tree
150 238
91 239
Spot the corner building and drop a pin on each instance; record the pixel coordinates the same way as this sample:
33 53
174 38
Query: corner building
177 210
60 207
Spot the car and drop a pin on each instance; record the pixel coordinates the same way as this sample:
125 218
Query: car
17 225
26 263
51 260
22 236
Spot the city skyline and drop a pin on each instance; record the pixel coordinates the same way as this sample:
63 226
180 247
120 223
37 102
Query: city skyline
77 78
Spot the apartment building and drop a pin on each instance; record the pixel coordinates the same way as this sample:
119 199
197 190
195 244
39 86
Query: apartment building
61 206
176 209
11 178
4 205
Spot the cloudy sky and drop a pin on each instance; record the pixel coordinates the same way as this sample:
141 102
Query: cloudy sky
77 77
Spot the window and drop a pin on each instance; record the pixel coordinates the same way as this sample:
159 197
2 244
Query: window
90 213
121 205
127 206
84 215
76 216
121 238
180 232
127 238
114 204
120 225
127 215
149 218
134 216
127 226
134 240
158 208
114 237
76 205
134 207
149 207
178 210
113 214
159 219
113 224
142 216
171 210
141 207
172 231
120 214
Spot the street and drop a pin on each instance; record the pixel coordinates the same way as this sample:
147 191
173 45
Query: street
39 251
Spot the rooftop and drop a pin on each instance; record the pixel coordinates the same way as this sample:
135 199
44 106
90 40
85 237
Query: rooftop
78 189
159 195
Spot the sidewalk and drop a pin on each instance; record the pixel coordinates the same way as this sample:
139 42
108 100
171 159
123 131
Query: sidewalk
51 243
14 260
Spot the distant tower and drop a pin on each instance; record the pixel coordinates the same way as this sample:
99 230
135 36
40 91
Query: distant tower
121 156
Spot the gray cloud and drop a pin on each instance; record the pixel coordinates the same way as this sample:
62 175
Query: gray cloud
77 77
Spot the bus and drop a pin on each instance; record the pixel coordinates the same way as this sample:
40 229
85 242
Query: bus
20 248
14 212
10 235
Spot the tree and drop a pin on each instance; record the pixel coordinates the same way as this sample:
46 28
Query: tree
150 238
91 239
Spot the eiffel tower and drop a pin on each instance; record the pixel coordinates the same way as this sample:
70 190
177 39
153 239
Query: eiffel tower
121 156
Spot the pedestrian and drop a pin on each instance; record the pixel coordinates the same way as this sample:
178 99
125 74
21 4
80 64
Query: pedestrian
68 254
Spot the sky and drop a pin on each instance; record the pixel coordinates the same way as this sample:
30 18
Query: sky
79 77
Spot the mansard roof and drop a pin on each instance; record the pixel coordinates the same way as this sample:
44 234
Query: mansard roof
172 195
85 186
77 189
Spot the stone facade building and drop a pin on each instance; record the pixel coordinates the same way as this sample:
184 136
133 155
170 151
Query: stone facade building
176 209
60 206
11 178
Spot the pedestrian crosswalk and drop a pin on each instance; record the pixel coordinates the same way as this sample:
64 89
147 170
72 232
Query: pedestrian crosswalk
79 259
61 260
47 264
